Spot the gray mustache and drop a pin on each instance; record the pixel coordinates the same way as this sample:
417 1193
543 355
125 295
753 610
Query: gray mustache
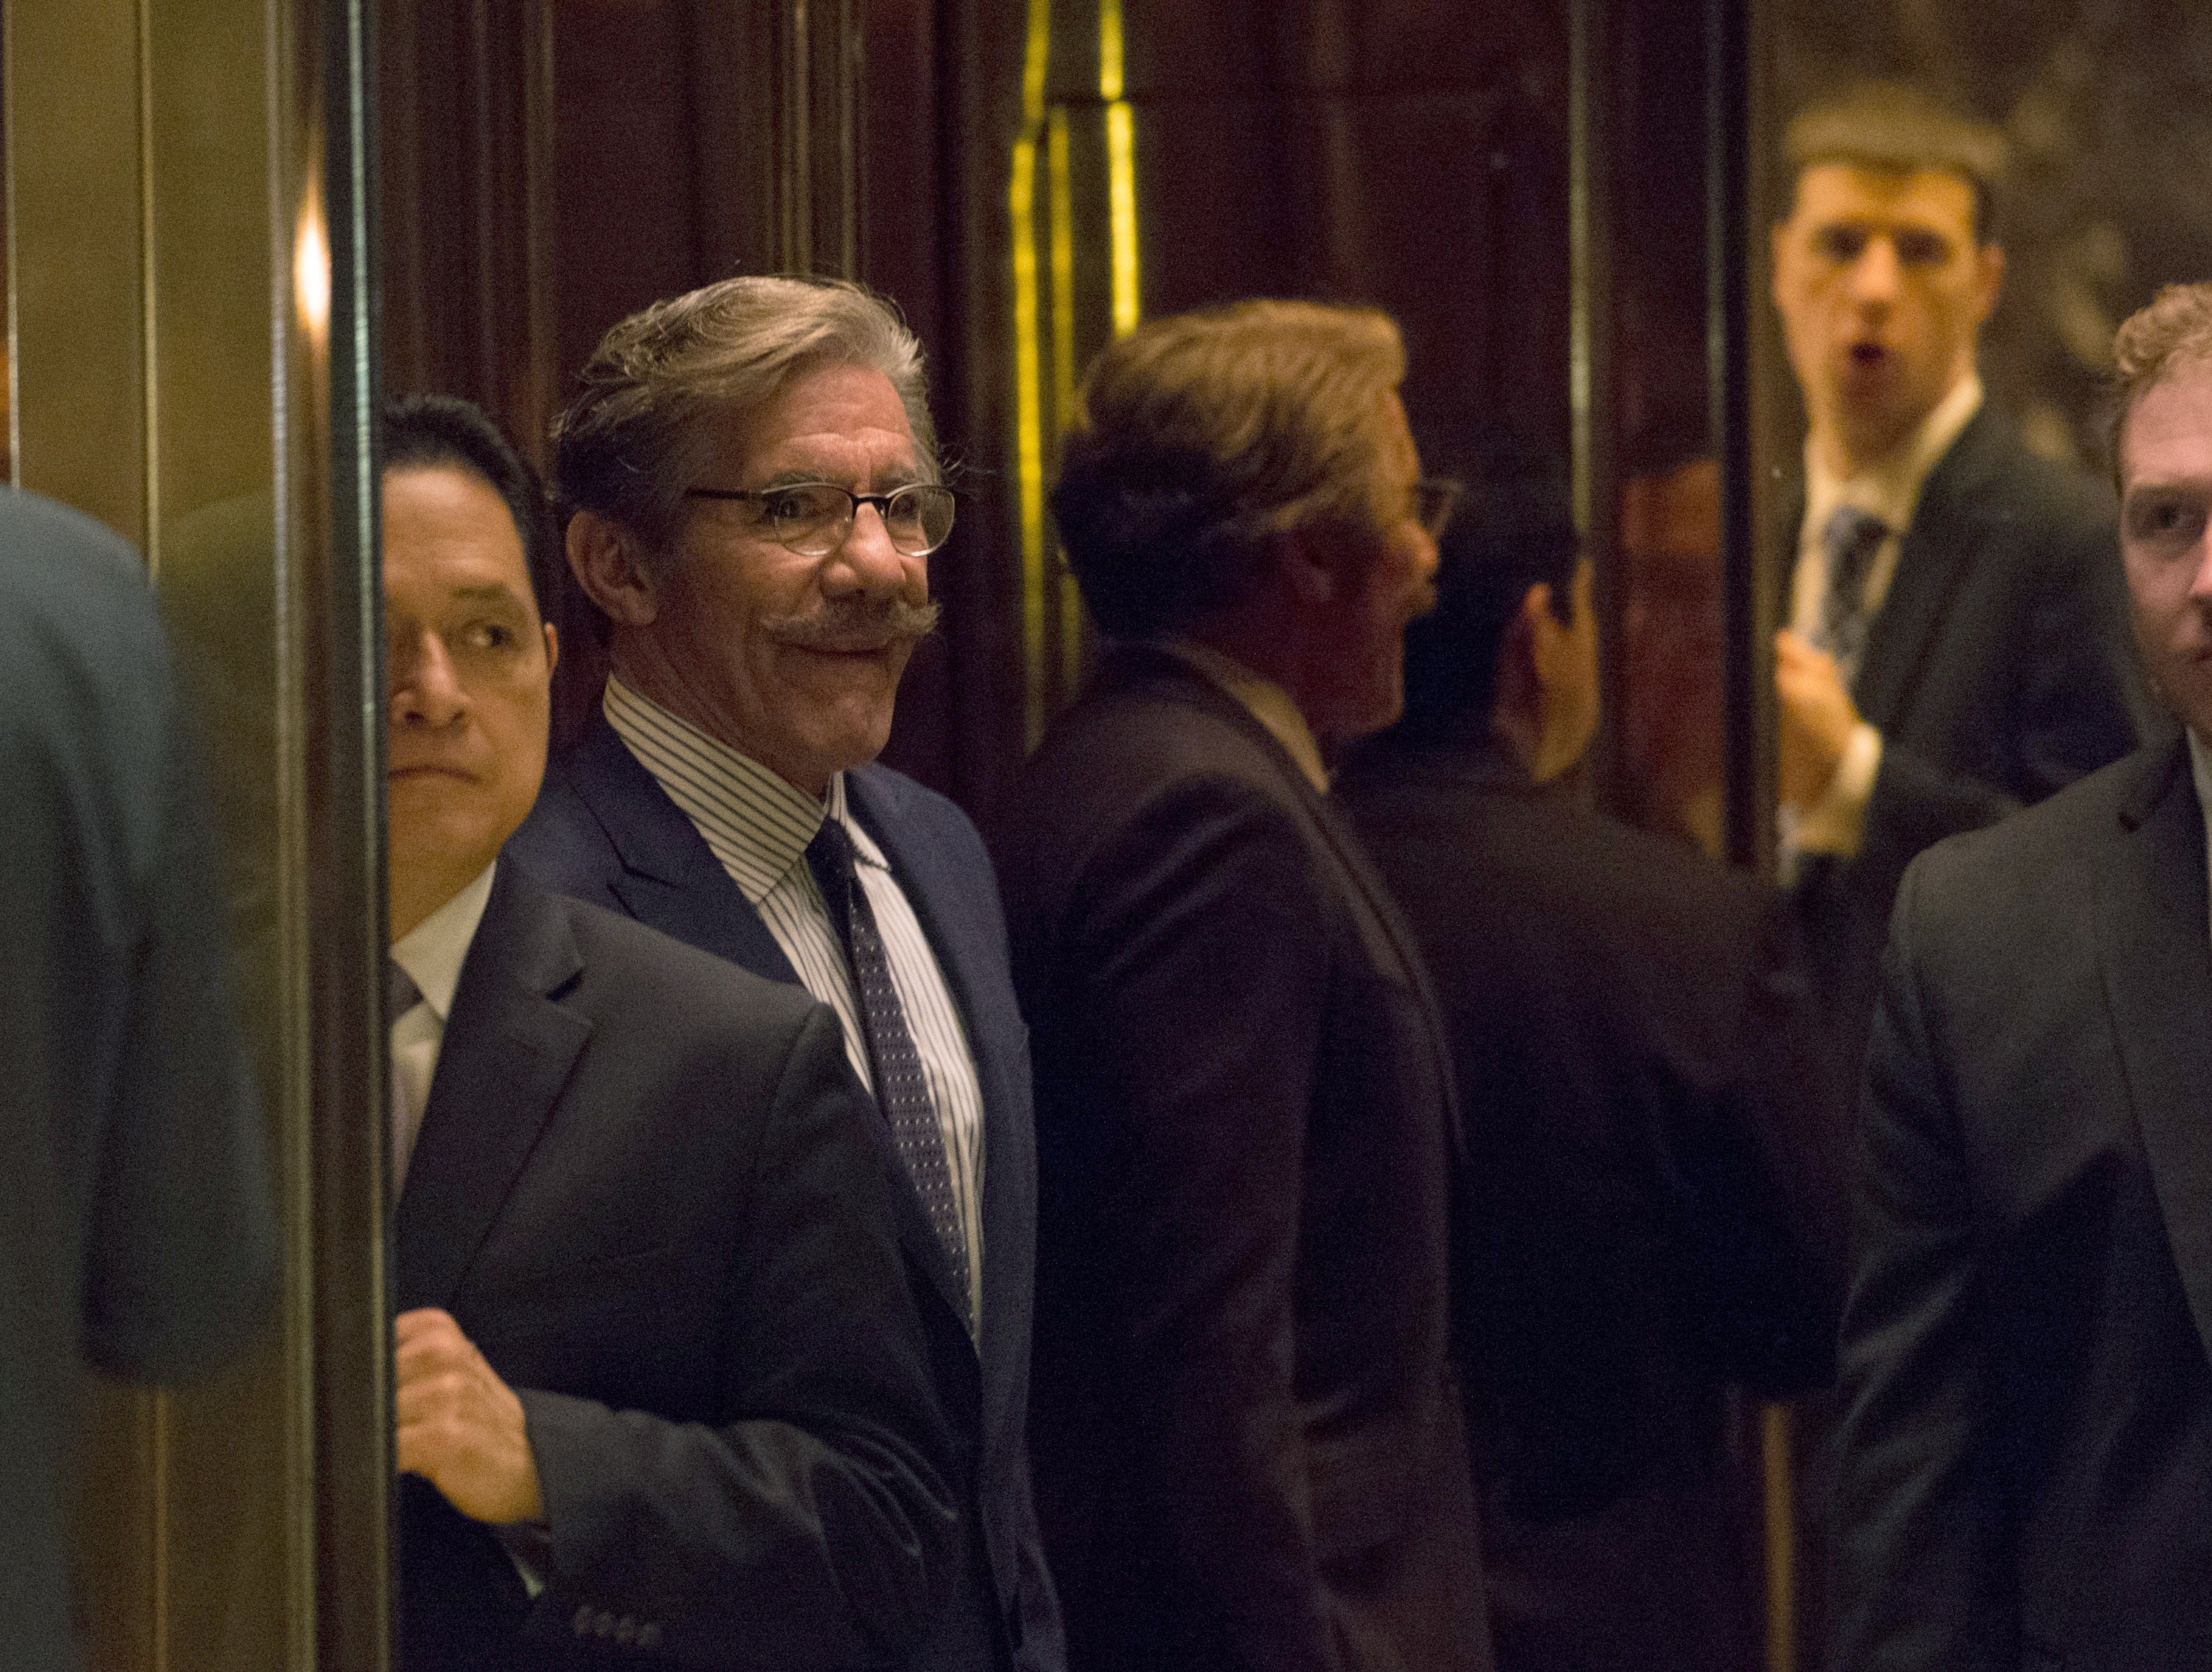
863 626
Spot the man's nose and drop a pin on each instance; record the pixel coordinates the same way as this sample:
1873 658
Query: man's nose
1874 274
2200 589
426 687
867 562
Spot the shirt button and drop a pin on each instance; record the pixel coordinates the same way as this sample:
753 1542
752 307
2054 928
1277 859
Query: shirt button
583 1621
648 1635
625 1630
604 1624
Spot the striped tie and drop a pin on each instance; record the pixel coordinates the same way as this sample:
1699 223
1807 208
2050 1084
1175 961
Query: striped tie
400 996
901 1090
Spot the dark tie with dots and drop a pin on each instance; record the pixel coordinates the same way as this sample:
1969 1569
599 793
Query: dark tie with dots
902 1091
400 996
1850 540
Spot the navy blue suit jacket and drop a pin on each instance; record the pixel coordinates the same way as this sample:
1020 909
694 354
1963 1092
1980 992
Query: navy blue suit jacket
605 832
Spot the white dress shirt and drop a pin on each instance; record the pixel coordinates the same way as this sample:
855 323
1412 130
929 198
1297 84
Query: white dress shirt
1264 700
432 953
1889 489
758 825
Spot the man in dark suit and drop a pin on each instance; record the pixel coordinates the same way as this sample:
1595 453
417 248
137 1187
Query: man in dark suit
1956 641
1652 1191
753 493
2025 1473
1250 1453
136 1227
661 1390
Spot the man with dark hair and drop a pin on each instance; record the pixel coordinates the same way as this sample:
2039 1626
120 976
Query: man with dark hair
2025 1465
1249 1450
661 1389
1651 1196
136 1227
1955 647
753 493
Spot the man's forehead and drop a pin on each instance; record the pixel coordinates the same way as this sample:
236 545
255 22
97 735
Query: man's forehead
1842 190
2166 441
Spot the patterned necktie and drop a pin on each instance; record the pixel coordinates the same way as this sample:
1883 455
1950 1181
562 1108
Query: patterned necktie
400 996
1850 540
901 1091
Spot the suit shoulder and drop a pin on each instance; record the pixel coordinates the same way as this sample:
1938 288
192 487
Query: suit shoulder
2069 514
2025 855
913 805
74 598
637 969
1123 747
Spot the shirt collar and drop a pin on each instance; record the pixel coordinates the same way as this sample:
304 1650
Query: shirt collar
756 823
1264 700
433 952
1890 486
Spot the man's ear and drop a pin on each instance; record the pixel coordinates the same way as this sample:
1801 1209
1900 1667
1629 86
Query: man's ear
1303 562
603 556
552 647
1989 281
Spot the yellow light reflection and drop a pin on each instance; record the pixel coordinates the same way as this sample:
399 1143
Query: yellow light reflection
1120 167
1029 380
311 268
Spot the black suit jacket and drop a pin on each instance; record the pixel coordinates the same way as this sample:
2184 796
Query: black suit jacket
1652 1197
605 832
136 1227
2025 1474
1998 670
646 1187
1249 1450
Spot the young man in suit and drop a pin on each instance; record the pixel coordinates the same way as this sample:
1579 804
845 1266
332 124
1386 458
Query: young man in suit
1955 646
1249 1447
136 1226
661 1390
2025 1473
753 493
1652 1194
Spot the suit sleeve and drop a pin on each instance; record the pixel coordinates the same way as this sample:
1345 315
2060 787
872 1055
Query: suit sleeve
1201 968
1919 1583
182 1257
806 1530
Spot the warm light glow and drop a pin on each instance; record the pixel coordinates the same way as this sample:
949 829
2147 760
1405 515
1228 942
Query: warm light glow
311 268
1029 425
1028 371
1110 81
1121 212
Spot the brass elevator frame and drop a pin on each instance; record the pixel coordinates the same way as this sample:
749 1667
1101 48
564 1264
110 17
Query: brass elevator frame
191 344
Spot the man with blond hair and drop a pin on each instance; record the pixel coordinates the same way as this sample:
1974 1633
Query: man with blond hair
2024 1471
753 493
1251 1456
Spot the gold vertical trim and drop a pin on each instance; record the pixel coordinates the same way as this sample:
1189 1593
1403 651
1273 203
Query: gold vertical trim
1028 370
1781 1539
1060 171
148 349
1121 166
15 263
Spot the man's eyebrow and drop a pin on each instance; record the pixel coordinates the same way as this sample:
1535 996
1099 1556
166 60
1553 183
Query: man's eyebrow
491 592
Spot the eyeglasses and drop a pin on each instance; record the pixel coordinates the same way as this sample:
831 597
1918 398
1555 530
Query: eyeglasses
813 519
1434 499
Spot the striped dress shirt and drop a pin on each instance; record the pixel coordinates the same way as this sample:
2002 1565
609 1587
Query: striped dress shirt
758 825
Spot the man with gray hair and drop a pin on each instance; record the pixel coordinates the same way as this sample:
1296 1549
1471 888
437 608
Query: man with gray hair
1251 1450
752 493
2025 1466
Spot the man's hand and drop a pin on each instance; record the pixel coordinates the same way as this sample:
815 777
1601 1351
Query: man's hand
460 1426
1818 719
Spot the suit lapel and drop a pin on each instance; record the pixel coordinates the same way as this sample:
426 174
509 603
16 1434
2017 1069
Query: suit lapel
1946 534
670 878
509 1046
2156 949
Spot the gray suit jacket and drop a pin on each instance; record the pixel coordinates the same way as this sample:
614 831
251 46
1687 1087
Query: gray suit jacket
136 1227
